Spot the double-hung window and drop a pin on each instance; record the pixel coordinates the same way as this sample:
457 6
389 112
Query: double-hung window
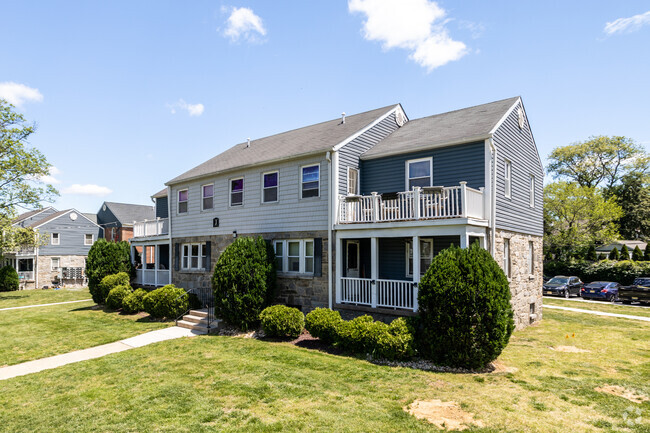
507 177
270 187
506 257
310 181
294 256
237 191
88 239
353 181
532 190
418 172
182 200
56 262
426 256
531 258
195 256
279 255
56 240
207 192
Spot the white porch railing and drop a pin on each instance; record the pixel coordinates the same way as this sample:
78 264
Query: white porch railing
26 276
356 290
383 293
159 226
421 203
147 277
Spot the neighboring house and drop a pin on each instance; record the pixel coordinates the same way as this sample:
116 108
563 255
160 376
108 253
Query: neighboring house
65 239
117 219
356 208
631 245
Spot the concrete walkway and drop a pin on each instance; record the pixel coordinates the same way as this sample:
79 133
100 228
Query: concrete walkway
43 305
599 313
94 352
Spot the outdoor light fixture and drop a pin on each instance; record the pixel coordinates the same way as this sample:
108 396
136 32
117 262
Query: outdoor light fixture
234 234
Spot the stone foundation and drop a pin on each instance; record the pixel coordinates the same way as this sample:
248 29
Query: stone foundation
526 288
46 275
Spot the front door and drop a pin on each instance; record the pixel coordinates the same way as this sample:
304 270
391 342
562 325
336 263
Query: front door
352 262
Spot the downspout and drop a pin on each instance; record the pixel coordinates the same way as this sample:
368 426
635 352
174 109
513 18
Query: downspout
169 225
493 207
329 230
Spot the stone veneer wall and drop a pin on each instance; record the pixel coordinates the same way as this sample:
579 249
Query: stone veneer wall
46 274
302 291
526 289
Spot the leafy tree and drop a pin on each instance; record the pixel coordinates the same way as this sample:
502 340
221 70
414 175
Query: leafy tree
576 217
637 254
625 253
599 161
591 253
614 255
633 195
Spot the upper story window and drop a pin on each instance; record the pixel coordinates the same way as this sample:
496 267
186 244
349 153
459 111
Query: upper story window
532 191
270 187
310 181
507 176
88 239
237 191
353 181
207 193
182 201
418 172
56 239
195 256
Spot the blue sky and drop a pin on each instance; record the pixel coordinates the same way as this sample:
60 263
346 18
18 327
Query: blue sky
128 95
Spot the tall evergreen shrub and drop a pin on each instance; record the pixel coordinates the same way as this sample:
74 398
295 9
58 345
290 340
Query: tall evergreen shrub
625 253
9 280
637 254
646 253
614 255
107 258
591 253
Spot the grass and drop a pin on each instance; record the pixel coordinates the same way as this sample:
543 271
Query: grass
232 384
35 297
600 306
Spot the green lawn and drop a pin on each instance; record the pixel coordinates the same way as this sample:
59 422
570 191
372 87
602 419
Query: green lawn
34 333
600 306
229 384
35 297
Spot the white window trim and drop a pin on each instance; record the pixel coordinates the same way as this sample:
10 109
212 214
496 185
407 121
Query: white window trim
243 195
92 239
203 197
302 257
507 178
262 188
178 201
189 257
507 258
406 169
532 190
58 239
358 185
409 247
531 258
52 267
301 180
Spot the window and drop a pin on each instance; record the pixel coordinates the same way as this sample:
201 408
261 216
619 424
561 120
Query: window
195 257
353 181
418 172
270 187
426 256
295 256
88 239
506 257
182 201
532 191
531 258
25 265
309 257
55 262
507 178
237 192
55 239
279 255
207 192
310 181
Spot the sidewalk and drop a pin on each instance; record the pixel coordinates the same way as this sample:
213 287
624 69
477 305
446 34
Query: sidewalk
94 352
599 313
44 305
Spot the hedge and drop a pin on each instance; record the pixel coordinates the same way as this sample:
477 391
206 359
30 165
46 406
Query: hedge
281 321
620 271
322 322
9 280
166 302
116 296
134 302
107 284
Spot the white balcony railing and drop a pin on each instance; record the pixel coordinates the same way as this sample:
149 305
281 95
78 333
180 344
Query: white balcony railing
159 226
379 293
152 277
26 276
421 203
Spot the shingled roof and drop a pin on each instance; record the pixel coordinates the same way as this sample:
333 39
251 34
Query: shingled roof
467 124
320 137
127 213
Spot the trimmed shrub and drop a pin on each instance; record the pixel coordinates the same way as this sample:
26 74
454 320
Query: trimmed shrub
107 258
613 254
591 253
465 315
637 254
168 301
622 271
134 303
108 283
394 341
356 335
9 280
625 253
244 281
116 296
281 321
322 322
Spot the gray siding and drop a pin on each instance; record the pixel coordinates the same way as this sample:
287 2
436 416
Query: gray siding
71 236
290 213
41 216
349 154
451 165
161 207
106 218
517 146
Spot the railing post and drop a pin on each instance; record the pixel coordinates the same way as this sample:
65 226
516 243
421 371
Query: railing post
463 199
374 271
416 269
416 202
375 206
484 213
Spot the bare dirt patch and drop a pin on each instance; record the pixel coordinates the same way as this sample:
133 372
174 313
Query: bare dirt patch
568 349
625 393
446 415
500 367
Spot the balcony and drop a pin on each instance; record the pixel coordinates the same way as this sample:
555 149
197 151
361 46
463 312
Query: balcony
427 203
148 228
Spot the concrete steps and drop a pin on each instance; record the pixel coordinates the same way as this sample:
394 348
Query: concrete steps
197 320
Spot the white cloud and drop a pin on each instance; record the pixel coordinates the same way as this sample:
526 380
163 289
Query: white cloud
50 179
243 23
626 25
87 189
414 25
192 109
17 94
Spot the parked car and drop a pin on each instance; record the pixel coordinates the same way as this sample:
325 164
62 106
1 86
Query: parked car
607 290
563 286
639 291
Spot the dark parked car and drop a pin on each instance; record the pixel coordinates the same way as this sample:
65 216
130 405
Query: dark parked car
639 291
606 290
563 286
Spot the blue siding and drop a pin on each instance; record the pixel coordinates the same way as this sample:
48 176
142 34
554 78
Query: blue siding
451 165
161 207
392 259
71 236
40 216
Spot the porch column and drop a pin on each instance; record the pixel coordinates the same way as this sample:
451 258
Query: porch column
339 268
464 239
144 265
155 266
374 271
416 270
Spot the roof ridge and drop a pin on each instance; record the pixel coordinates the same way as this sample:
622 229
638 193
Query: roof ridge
465 108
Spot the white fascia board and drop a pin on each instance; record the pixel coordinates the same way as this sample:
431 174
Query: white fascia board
362 131
505 116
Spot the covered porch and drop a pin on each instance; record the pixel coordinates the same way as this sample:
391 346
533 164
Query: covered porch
152 263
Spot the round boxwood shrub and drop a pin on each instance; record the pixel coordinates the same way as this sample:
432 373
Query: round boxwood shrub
244 281
168 301
116 296
133 303
108 283
465 315
393 341
281 321
106 258
9 280
322 322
